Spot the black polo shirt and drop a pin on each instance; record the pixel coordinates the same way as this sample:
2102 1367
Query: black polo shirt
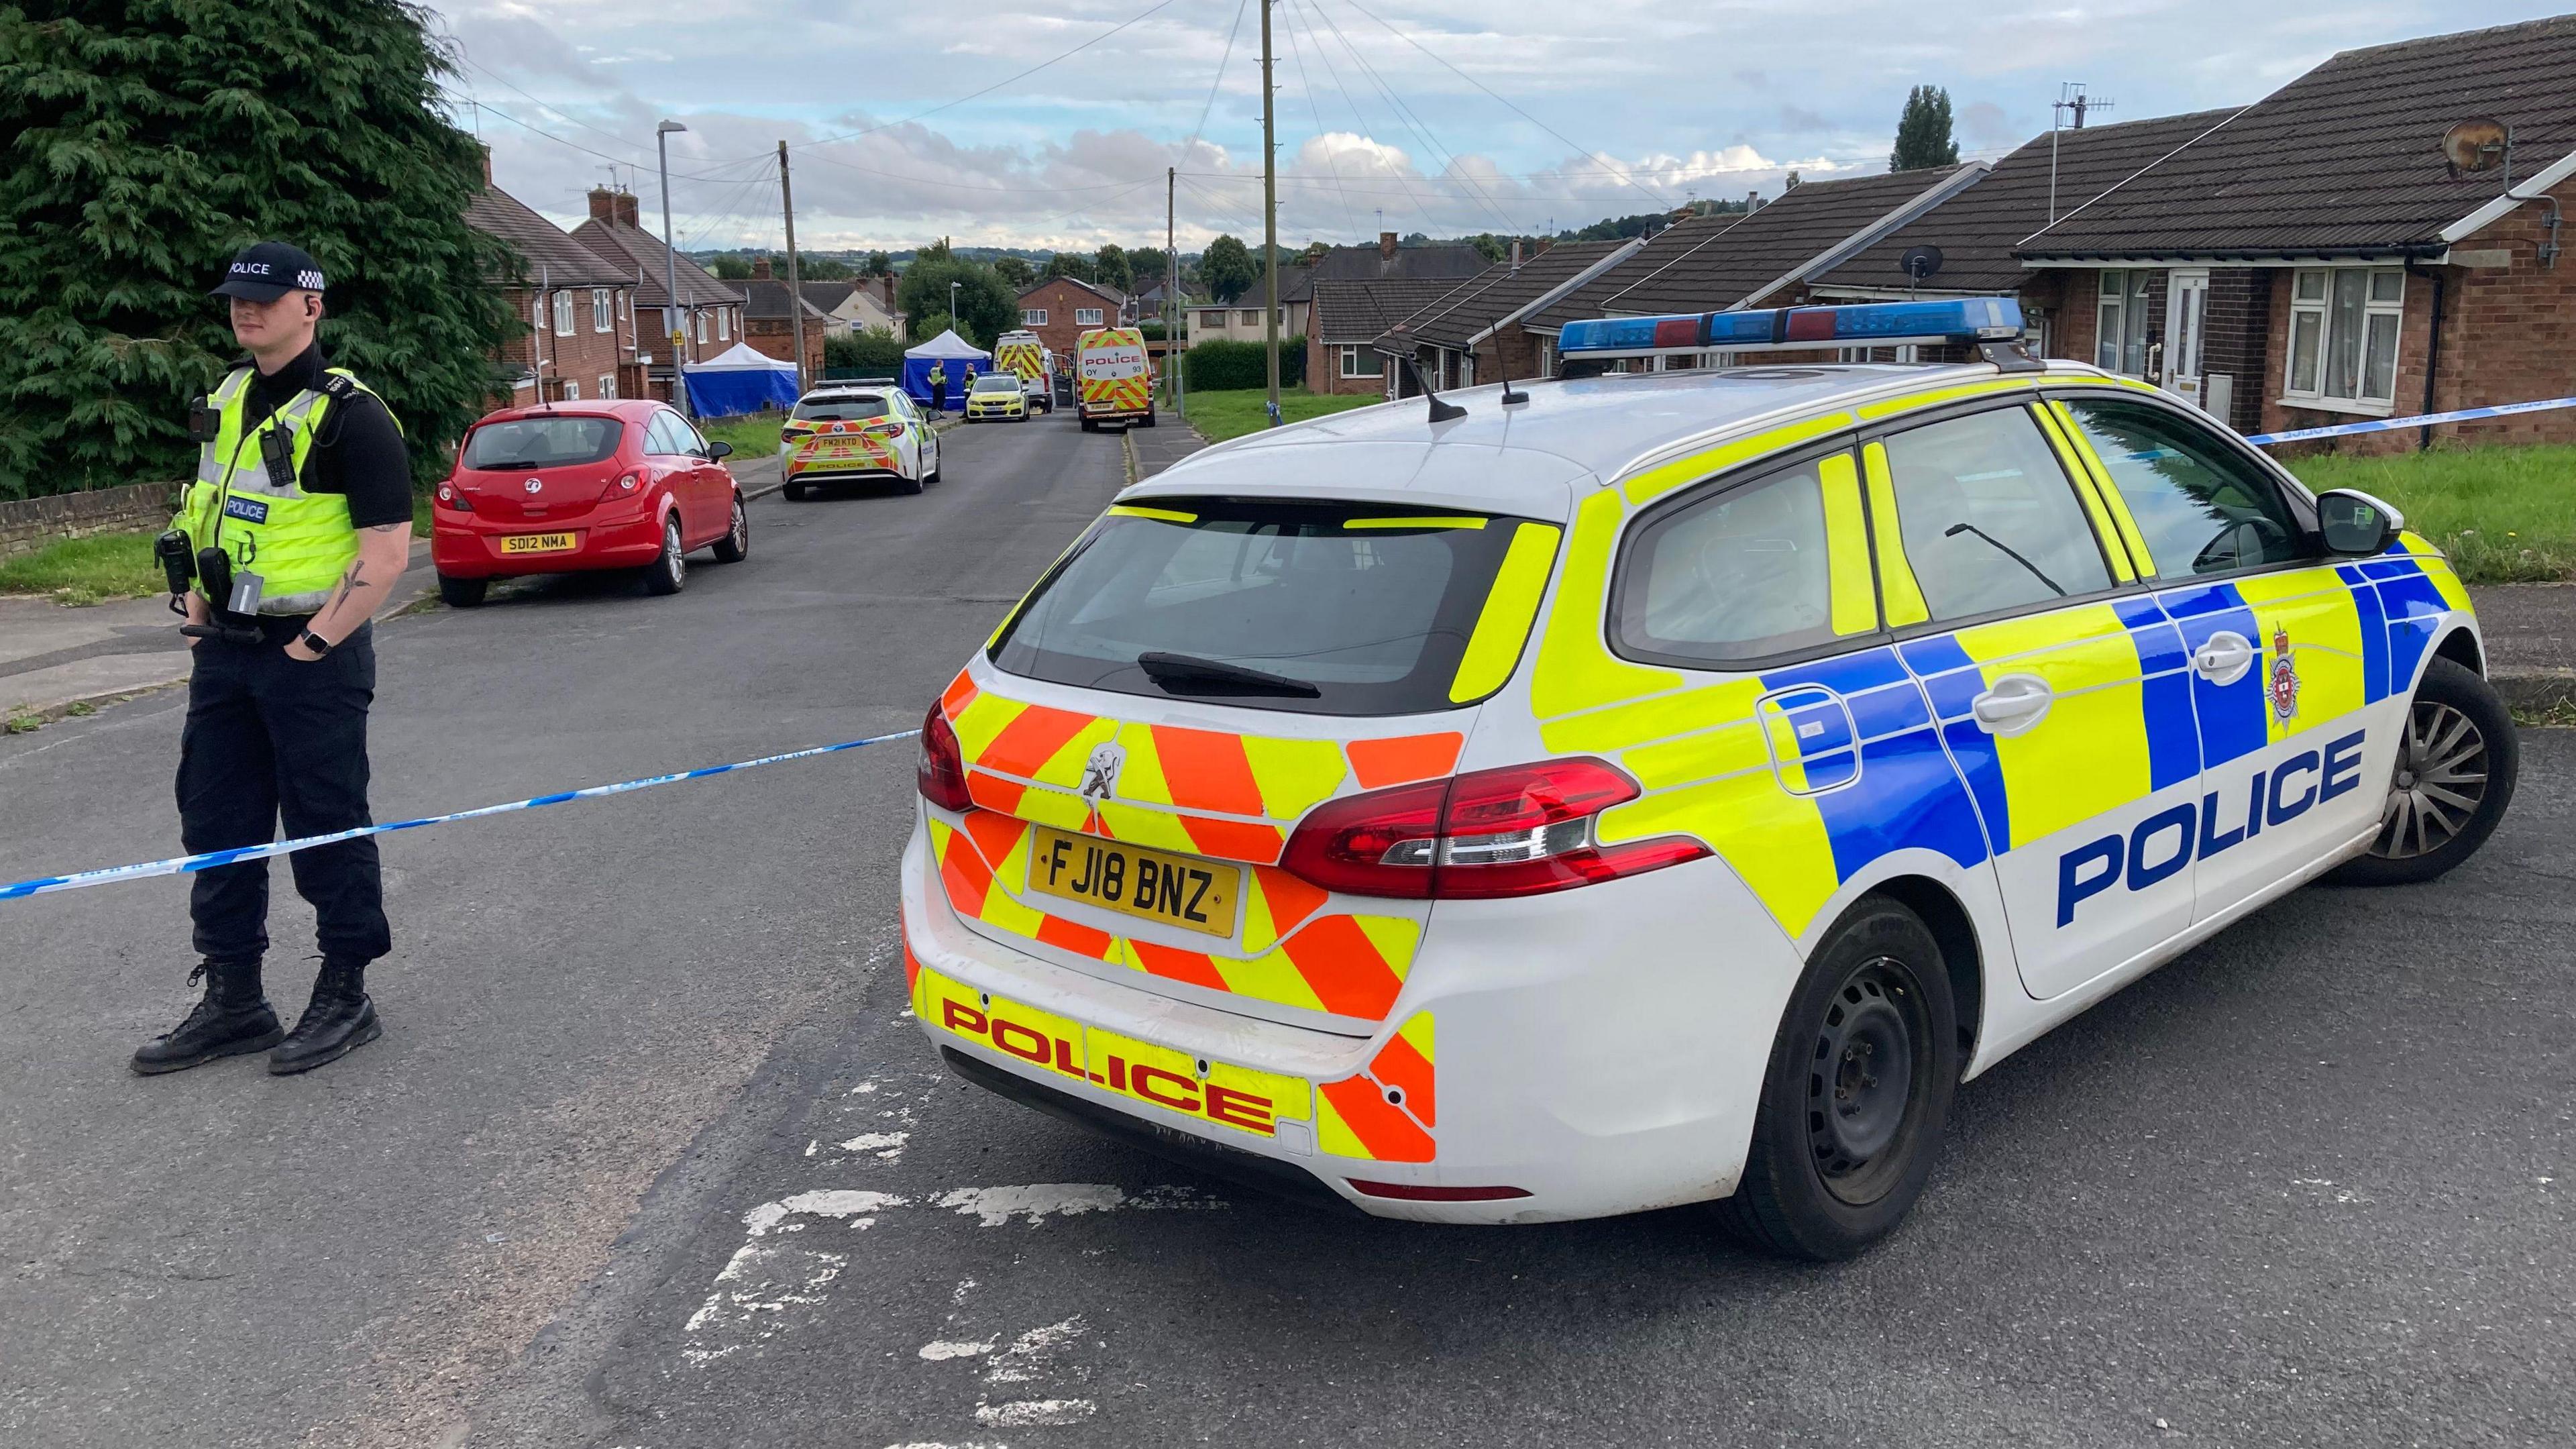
359 452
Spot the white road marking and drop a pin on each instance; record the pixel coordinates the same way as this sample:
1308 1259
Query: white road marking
1028 1355
951 1348
1030 1412
888 1146
859 1207
1036 1201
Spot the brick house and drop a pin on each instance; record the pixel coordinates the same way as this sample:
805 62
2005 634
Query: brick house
863 305
1388 261
1349 317
707 313
1060 309
1469 335
576 312
769 323
2317 253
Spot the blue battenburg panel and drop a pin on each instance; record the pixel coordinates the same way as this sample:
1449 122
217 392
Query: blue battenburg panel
2392 568
2232 720
1844 674
2415 609
2164 689
1908 797
1953 681
2374 634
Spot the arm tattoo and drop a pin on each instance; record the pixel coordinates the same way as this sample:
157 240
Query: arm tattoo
385 527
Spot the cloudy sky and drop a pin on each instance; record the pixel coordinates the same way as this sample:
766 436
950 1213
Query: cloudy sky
910 122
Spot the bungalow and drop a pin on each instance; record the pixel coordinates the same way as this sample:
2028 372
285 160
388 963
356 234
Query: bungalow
1388 261
1468 335
578 311
1342 354
707 313
2376 277
864 305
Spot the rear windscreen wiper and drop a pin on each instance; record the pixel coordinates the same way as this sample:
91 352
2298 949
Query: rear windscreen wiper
1189 674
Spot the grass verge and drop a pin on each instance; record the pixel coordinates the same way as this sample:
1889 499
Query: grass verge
2503 514
1237 411
754 435
88 570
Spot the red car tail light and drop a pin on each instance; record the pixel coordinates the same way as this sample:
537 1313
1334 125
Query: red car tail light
451 496
883 430
942 772
1519 831
622 486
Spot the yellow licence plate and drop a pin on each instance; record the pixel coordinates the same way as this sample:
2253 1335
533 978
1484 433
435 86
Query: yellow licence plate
539 543
1152 885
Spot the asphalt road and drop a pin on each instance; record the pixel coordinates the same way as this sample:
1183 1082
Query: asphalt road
651 1157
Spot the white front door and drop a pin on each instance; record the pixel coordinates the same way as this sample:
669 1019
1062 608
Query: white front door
2186 325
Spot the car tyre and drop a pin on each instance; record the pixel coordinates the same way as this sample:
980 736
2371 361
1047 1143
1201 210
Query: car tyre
1149 420
461 593
1858 1087
735 546
797 492
1090 425
2456 767
910 485
668 574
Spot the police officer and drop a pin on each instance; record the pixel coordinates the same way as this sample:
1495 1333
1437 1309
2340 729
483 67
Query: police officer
938 385
303 485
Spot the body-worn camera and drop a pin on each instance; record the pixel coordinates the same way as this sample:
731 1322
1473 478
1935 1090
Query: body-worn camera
233 595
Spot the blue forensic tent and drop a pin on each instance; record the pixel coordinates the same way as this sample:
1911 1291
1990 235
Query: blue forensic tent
957 353
739 381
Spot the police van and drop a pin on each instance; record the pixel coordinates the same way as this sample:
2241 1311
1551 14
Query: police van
1603 794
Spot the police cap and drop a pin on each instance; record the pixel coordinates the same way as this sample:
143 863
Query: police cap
266 271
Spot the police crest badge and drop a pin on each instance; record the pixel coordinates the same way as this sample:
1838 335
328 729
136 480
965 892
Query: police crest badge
2285 675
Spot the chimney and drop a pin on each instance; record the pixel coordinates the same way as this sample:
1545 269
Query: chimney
1386 245
487 161
1544 243
1752 202
1516 254
760 269
626 210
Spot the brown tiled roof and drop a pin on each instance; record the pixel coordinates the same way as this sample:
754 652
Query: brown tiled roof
1452 263
631 249
1363 311
1688 235
827 295
550 255
1487 298
766 298
1977 229
1804 223
1109 294
2346 159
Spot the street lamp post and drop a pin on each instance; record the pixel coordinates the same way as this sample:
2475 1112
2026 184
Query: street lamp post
952 304
670 264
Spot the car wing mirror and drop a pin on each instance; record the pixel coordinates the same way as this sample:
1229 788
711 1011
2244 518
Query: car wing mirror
719 449
2356 524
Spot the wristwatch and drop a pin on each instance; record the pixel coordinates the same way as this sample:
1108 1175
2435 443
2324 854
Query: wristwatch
314 642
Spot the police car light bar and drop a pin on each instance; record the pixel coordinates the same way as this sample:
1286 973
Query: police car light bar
1963 322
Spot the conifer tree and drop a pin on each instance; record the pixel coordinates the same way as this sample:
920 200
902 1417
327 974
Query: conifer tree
1923 132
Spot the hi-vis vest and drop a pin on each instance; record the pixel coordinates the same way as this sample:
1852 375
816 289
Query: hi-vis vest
938 372
299 543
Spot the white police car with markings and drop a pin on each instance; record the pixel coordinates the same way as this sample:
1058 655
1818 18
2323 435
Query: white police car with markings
1632 790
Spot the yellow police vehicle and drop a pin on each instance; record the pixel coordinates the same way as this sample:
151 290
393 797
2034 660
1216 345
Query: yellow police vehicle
997 397
1609 793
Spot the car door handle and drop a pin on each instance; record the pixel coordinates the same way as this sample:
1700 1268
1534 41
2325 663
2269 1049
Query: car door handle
2016 702
2223 658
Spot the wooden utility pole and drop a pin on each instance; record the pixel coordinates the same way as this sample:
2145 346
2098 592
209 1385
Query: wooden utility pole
1171 286
795 291
1269 219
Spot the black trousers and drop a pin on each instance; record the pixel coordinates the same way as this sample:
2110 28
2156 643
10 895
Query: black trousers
939 397
271 738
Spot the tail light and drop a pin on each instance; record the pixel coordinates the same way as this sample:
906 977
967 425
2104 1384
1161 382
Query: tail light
622 486
1519 831
943 766
883 430
451 496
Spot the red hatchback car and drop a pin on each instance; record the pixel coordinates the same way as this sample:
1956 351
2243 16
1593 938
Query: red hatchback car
562 487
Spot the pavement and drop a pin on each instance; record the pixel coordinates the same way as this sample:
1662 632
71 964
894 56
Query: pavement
1151 450
652 1156
2530 632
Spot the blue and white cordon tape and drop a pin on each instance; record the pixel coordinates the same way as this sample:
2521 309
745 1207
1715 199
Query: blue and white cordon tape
2421 420
182 865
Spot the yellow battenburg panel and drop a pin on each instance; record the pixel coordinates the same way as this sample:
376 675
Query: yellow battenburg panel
1287 1099
2110 492
1895 576
2437 567
1892 406
1775 841
1728 749
1663 478
1661 718
1137 825
1855 601
1294 775
2104 528
1270 976
982 721
1142 778
1576 669
2091 755
1064 768
2324 624
1503 626
1059 808
1418 1032
1780 732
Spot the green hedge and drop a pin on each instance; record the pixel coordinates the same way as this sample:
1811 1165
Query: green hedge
872 353
1225 366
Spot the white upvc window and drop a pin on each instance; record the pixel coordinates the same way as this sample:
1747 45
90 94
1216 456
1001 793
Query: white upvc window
2120 334
1033 316
572 390
1086 316
2343 334
1363 362
724 316
602 315
1547 358
702 329
608 384
563 314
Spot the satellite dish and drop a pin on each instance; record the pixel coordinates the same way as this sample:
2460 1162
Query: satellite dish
2480 143
1920 262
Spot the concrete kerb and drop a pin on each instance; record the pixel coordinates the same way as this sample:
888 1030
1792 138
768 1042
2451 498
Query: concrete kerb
2535 690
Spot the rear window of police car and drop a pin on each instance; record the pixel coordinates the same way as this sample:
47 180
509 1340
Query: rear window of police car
1317 608
840 409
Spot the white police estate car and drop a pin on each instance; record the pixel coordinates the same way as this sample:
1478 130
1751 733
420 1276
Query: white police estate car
1629 791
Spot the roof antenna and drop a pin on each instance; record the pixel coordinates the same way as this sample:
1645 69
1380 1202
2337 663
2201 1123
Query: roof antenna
1509 396
1441 412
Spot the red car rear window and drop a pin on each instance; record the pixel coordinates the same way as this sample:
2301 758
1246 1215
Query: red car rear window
548 442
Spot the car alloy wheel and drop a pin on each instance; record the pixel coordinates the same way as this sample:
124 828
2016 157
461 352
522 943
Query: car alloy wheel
669 573
2441 780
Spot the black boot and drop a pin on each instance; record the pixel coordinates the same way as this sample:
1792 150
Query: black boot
230 1019
337 1021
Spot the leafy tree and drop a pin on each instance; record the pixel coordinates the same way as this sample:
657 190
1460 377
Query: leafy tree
873 352
1068 264
938 251
730 266
1226 269
1314 252
1789 182
1150 265
822 269
1111 268
1016 271
1923 132
148 142
1489 246
876 264
987 306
